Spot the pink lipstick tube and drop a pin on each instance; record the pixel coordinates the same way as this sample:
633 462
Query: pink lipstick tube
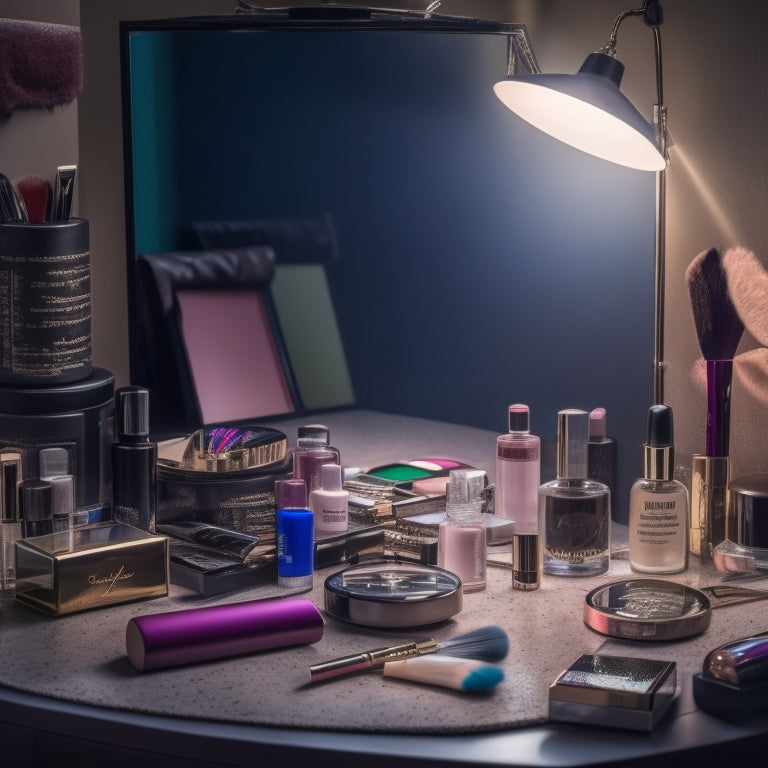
176 638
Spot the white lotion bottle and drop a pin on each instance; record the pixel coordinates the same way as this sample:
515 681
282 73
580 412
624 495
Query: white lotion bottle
330 503
461 538
658 504
518 472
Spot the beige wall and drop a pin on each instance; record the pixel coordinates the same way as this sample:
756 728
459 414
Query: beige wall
714 69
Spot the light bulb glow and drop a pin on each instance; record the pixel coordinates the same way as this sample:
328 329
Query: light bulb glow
580 124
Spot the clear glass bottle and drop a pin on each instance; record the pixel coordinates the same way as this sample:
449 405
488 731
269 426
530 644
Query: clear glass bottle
574 512
518 471
461 538
658 504
295 535
313 449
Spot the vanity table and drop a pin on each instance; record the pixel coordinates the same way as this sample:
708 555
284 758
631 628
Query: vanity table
67 688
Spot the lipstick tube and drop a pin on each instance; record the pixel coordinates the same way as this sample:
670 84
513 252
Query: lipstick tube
176 638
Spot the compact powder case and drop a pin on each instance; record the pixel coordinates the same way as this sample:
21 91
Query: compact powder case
393 595
647 609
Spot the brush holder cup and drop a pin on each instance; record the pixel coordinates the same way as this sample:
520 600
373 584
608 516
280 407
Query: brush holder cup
45 303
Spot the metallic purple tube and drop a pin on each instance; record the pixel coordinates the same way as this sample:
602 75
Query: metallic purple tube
200 634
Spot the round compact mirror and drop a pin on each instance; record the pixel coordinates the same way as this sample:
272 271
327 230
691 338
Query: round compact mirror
393 595
647 609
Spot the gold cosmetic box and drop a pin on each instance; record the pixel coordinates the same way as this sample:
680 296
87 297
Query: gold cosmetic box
90 567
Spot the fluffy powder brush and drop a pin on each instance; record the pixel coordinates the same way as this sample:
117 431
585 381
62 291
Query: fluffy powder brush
719 329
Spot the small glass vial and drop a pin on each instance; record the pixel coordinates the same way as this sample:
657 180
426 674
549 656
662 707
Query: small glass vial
574 512
330 503
461 538
658 504
295 535
518 471
313 449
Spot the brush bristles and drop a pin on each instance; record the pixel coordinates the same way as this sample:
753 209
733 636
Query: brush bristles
485 644
718 325
448 671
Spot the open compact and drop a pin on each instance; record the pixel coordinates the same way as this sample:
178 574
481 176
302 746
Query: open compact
647 609
393 595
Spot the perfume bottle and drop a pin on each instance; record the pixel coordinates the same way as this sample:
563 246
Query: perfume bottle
601 452
295 535
330 503
574 511
518 471
134 461
461 537
313 449
658 504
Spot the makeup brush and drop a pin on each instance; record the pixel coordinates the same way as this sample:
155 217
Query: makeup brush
719 329
36 192
448 671
487 644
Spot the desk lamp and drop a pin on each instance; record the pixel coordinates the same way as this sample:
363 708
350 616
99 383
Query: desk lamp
588 111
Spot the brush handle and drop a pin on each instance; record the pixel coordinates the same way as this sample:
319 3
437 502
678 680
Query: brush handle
719 377
358 662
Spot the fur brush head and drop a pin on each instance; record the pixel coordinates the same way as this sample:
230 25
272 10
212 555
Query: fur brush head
748 289
718 325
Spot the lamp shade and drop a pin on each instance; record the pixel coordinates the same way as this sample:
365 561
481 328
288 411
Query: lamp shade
586 110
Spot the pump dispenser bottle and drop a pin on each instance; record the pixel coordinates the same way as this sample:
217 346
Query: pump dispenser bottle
461 538
574 512
518 471
134 461
658 504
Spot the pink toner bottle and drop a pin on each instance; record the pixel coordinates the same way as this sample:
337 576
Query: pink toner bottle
518 472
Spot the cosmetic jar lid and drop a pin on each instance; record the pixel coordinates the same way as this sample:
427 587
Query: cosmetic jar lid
647 609
393 595
224 450
749 510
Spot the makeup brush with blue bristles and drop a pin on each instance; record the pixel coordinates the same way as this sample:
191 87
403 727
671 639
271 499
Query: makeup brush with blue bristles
467 675
488 644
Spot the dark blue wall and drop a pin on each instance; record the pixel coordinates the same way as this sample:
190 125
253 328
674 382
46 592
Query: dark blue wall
481 263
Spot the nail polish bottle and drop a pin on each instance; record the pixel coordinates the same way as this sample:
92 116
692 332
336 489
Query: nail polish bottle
658 504
134 461
313 449
574 511
10 524
330 503
36 508
518 472
295 535
601 452
461 537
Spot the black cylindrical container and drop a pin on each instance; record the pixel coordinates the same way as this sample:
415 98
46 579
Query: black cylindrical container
134 460
748 513
75 416
45 303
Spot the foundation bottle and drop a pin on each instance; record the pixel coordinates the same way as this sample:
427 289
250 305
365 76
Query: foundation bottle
658 504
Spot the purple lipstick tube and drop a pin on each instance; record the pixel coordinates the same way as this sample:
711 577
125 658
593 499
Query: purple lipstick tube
176 638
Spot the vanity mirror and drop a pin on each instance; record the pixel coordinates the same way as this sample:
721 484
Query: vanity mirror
439 257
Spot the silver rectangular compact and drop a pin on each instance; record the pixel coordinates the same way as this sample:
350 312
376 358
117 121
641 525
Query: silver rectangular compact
614 691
